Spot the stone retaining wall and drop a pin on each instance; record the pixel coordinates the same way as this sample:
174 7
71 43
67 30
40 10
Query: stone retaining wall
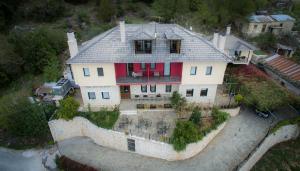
283 134
61 130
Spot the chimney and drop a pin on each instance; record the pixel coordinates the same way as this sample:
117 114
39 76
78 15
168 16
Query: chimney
72 42
122 31
191 28
216 39
228 29
221 42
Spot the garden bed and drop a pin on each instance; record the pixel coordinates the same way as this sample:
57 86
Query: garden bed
104 118
154 106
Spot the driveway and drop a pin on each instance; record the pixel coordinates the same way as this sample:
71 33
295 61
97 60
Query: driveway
13 160
225 152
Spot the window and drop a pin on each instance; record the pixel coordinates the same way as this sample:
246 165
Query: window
86 72
143 66
203 92
143 46
193 71
208 70
144 88
281 25
175 46
237 53
131 144
152 65
92 95
254 27
100 71
105 95
264 28
189 92
153 88
168 88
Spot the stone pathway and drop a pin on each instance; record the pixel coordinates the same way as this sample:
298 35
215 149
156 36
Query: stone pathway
225 152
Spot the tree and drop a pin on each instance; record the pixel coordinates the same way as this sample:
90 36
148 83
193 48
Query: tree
106 10
68 108
52 70
265 40
26 119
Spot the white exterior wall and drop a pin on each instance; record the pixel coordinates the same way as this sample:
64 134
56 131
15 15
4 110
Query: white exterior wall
114 94
250 31
218 70
109 78
196 98
160 89
78 126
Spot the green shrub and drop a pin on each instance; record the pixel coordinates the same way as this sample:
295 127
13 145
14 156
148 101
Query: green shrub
219 116
106 10
178 102
68 108
238 98
26 119
266 40
286 122
83 17
185 132
52 70
196 116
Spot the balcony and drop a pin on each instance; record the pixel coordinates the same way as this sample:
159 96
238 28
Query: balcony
151 79
144 73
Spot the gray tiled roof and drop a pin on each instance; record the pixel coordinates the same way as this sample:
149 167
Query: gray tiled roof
107 47
235 43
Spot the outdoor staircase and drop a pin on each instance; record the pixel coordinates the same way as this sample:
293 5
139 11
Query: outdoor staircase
128 112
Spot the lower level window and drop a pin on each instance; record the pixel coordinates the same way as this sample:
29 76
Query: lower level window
189 92
144 88
153 88
168 88
105 95
203 92
92 95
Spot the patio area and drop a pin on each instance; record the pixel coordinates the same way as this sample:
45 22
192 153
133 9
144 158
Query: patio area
155 125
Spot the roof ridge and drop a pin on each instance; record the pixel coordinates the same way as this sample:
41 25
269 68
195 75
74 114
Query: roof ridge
202 39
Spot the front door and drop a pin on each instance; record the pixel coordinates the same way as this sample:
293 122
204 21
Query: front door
167 69
125 92
129 69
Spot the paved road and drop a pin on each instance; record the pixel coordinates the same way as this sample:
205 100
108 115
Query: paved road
12 160
225 152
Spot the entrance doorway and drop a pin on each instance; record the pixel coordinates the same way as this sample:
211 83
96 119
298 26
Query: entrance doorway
125 92
129 69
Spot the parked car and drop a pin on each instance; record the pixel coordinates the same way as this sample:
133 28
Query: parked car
264 114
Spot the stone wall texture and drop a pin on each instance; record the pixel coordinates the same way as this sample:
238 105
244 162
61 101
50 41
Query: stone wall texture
61 130
283 134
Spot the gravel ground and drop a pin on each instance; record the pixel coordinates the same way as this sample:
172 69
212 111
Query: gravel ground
225 152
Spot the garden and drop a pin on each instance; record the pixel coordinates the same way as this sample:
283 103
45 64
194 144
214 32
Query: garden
69 109
193 128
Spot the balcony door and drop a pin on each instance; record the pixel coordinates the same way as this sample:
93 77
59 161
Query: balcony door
125 92
129 69
167 68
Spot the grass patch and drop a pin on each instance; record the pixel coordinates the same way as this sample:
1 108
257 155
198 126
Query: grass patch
104 118
283 156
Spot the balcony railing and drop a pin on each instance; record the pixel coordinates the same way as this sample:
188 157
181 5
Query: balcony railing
151 79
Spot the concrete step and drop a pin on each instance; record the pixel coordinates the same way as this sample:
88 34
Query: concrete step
128 112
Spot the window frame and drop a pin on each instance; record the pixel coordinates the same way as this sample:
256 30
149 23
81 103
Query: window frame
103 95
190 95
89 95
208 68
152 65
100 69
141 46
153 88
168 89
177 44
192 70
144 90
86 74
203 90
